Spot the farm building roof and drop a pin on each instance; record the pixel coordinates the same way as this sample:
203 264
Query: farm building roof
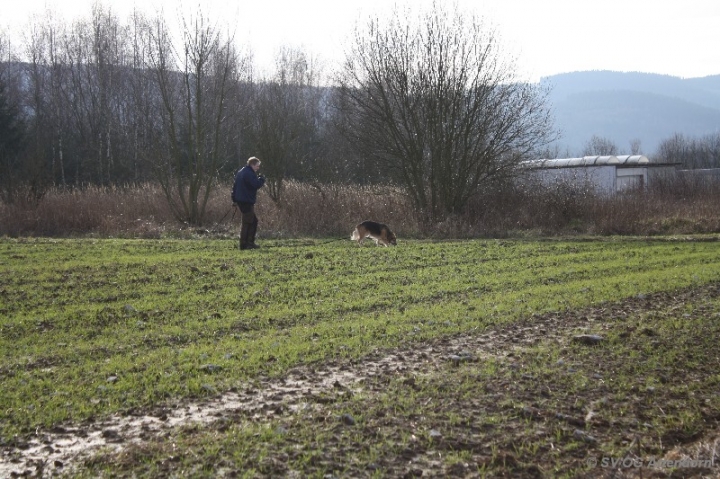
623 160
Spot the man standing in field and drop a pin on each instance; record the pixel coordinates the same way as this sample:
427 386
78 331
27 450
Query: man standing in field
244 195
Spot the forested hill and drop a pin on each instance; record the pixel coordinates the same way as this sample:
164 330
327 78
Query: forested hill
623 107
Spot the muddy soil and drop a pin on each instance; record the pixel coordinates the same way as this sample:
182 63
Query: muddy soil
63 448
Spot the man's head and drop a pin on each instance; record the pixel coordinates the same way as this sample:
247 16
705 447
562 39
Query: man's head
254 163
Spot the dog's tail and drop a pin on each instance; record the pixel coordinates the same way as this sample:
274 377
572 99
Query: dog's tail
355 235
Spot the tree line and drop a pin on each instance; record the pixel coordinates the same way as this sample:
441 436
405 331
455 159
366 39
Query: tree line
106 102
424 100
691 153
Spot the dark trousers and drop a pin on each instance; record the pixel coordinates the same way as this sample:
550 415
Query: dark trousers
248 226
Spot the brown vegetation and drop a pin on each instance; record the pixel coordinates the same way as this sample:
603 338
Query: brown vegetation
328 211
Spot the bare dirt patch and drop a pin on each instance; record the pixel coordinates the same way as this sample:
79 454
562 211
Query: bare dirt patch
540 398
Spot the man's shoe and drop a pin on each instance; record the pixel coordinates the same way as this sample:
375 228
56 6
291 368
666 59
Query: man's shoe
252 246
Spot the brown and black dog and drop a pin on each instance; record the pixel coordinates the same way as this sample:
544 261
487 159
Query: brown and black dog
377 231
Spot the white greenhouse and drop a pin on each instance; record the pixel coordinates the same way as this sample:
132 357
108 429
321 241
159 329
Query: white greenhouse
607 174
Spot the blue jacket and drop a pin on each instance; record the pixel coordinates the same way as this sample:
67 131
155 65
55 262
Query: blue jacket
247 182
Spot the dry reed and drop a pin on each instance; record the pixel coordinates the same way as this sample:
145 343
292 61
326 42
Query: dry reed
329 211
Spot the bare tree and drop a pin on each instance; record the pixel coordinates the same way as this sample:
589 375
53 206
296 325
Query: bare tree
90 98
283 122
45 74
96 111
553 151
94 54
635 146
691 152
196 83
436 103
599 146
143 129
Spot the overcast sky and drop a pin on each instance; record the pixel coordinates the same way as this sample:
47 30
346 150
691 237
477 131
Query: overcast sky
673 37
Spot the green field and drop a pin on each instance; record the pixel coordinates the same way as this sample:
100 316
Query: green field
91 328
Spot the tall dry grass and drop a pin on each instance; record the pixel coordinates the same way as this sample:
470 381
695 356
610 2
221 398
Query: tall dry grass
330 211
674 205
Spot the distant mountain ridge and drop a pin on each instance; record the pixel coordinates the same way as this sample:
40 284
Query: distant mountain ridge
627 106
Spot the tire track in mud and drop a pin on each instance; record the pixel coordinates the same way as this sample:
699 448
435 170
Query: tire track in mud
62 448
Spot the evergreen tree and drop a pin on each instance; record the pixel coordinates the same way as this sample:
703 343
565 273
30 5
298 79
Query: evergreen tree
12 134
